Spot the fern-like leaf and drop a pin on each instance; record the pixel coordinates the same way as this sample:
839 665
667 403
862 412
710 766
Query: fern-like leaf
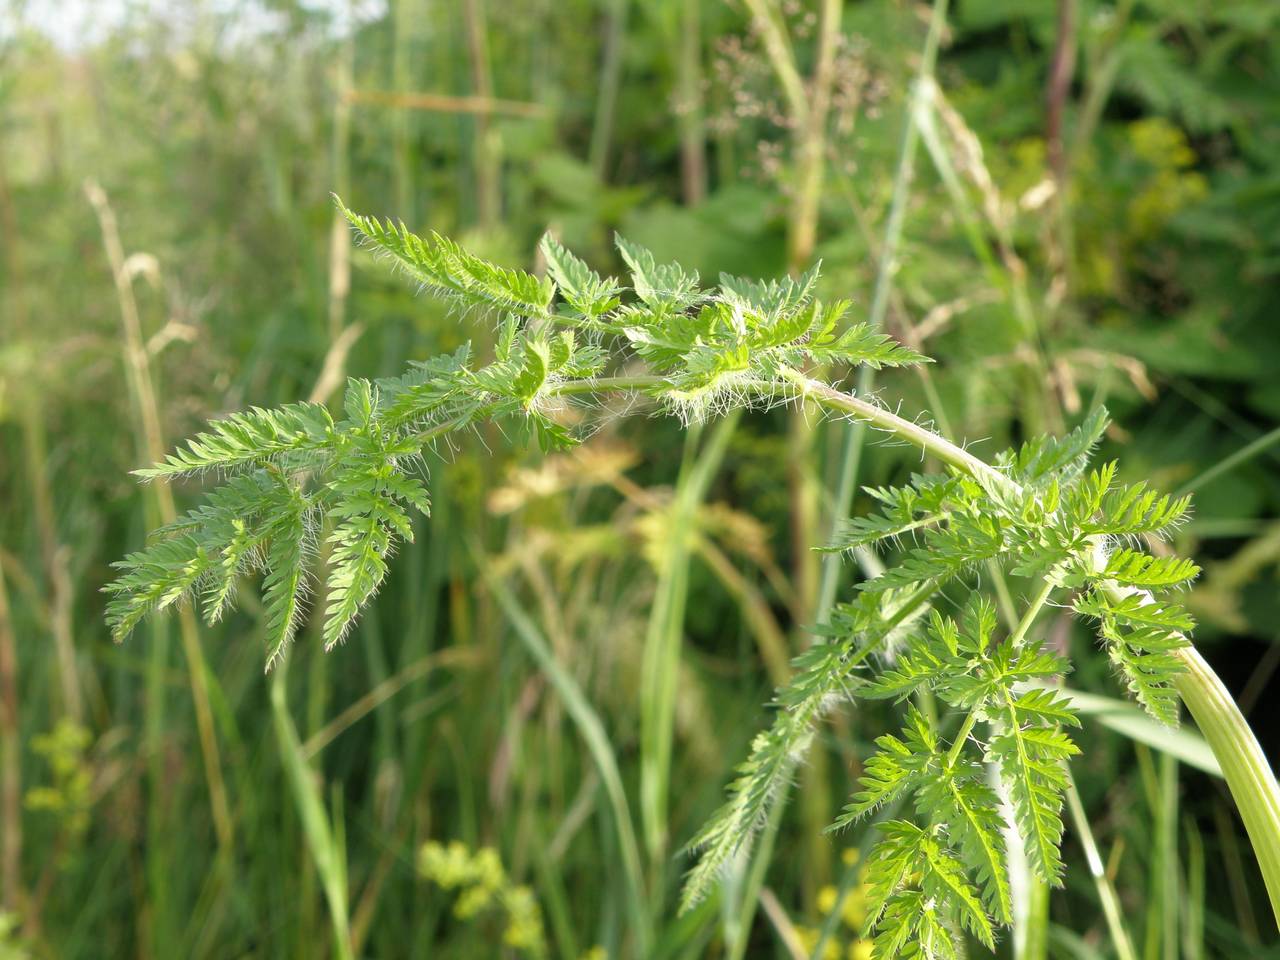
451 272
960 798
897 767
154 578
666 286
284 585
1137 569
918 893
590 295
252 437
1136 509
1030 758
859 345
1060 459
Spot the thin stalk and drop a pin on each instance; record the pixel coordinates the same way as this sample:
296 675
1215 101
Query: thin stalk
1097 869
1037 603
592 730
1057 93
36 463
487 153
405 16
147 411
808 107
757 616
1170 900
1006 271
1030 892
323 836
610 81
339 232
1059 88
811 145
340 339
855 434
10 762
740 929
665 634
1227 464
689 105
1234 868
10 732
961 736
1193 917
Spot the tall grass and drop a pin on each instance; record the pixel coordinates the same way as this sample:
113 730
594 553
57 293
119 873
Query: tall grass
584 692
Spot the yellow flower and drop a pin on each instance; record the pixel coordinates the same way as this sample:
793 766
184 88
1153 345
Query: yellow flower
827 897
854 910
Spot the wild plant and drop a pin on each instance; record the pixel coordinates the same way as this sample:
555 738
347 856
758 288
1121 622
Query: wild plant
949 791
482 886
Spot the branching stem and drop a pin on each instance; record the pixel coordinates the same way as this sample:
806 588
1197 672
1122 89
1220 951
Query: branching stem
1248 772
1020 632
798 385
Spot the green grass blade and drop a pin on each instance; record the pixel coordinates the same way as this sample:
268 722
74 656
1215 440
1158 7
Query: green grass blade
323 840
593 733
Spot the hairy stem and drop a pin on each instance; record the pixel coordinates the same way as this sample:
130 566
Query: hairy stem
798 385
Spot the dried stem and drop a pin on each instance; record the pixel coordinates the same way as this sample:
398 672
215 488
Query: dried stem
147 410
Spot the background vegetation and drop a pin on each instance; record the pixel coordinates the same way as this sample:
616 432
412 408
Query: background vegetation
1065 203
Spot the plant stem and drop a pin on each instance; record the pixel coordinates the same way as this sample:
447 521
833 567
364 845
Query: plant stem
147 410
855 435
602 753
1106 890
339 232
874 416
1227 464
35 443
958 744
1020 632
488 163
689 108
10 762
610 80
798 385
1244 764
324 837
664 638
1249 775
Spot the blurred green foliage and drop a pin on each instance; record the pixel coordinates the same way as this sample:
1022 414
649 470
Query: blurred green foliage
1128 252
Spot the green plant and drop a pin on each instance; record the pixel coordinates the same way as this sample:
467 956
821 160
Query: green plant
300 478
483 885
